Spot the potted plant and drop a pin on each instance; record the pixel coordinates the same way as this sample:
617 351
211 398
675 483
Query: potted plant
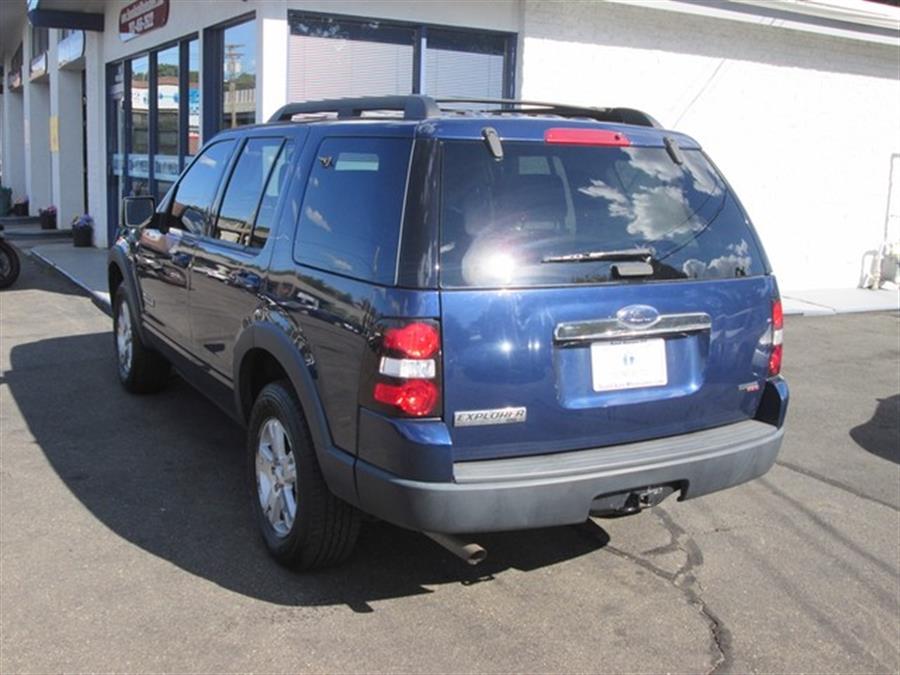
83 231
20 206
5 200
48 218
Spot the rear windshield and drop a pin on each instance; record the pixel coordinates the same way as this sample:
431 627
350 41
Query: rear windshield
515 221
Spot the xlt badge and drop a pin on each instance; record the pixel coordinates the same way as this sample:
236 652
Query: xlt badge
477 418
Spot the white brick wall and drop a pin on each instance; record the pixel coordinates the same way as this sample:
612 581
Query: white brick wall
802 125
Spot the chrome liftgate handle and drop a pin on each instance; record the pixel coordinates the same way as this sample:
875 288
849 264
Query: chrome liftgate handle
612 329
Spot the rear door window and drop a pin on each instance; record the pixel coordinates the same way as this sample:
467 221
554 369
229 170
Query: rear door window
514 222
274 189
238 211
351 212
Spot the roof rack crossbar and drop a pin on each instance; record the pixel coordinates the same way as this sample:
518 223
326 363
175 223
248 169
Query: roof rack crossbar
508 105
414 107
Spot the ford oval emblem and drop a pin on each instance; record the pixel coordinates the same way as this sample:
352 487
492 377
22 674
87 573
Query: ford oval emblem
637 316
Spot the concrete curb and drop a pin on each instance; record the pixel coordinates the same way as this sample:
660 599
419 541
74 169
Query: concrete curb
100 299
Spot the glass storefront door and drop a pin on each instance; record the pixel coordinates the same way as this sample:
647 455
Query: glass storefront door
152 121
115 75
166 160
137 162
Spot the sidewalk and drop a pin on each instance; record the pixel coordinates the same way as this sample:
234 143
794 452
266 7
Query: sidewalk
29 227
840 301
87 268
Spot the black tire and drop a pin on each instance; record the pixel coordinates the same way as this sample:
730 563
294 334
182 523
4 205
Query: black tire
146 371
324 528
9 264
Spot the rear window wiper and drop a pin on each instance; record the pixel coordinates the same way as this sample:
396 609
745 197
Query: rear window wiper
628 254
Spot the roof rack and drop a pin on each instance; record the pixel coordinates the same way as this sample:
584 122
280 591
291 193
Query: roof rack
509 105
421 107
414 107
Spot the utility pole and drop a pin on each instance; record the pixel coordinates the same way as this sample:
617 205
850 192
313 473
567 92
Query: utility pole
233 69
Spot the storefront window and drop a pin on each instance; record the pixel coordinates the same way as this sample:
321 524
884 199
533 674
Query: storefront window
116 141
40 41
153 121
193 137
138 164
462 63
333 56
336 57
239 75
166 162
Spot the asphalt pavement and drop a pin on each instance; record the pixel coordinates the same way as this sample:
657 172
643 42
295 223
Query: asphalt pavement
127 544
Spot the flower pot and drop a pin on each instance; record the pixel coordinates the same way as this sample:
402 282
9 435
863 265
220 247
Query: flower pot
82 236
48 220
20 209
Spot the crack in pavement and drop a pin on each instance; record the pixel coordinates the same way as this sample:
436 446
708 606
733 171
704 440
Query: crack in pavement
687 583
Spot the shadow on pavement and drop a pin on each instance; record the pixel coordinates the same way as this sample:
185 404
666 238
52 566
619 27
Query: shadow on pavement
881 434
166 473
39 276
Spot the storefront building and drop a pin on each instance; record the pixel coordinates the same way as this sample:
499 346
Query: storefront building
105 98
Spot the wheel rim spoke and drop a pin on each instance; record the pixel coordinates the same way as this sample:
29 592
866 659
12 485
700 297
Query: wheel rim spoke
278 441
265 444
264 485
289 505
274 507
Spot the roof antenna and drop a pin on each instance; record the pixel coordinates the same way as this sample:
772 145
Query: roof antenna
492 141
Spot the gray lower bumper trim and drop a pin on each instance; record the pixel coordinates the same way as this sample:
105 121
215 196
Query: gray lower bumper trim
645 454
558 489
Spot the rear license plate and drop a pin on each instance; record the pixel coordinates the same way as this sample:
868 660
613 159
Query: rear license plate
628 365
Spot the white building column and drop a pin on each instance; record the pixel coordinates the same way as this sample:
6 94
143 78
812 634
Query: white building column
271 58
66 159
95 93
13 139
37 136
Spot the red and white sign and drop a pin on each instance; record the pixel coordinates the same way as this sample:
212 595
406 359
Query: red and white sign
142 16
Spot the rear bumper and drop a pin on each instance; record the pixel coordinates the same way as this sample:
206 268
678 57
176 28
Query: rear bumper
559 489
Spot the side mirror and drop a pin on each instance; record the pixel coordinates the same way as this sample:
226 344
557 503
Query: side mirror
138 212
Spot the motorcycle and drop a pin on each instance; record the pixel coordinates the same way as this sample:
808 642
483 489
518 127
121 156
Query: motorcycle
9 262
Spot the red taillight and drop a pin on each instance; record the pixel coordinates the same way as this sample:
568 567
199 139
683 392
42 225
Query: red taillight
414 397
569 136
777 316
416 340
777 339
407 374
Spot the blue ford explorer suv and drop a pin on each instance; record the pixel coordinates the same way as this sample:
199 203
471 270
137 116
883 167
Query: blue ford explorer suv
458 317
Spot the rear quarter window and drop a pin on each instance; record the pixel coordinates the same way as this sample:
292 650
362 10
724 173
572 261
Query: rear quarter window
502 220
352 208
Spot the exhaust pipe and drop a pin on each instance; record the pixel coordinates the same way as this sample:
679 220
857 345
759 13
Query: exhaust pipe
470 552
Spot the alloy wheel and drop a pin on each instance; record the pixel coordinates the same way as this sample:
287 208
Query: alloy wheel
124 340
276 477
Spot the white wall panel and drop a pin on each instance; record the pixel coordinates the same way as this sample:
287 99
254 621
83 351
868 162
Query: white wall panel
802 125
